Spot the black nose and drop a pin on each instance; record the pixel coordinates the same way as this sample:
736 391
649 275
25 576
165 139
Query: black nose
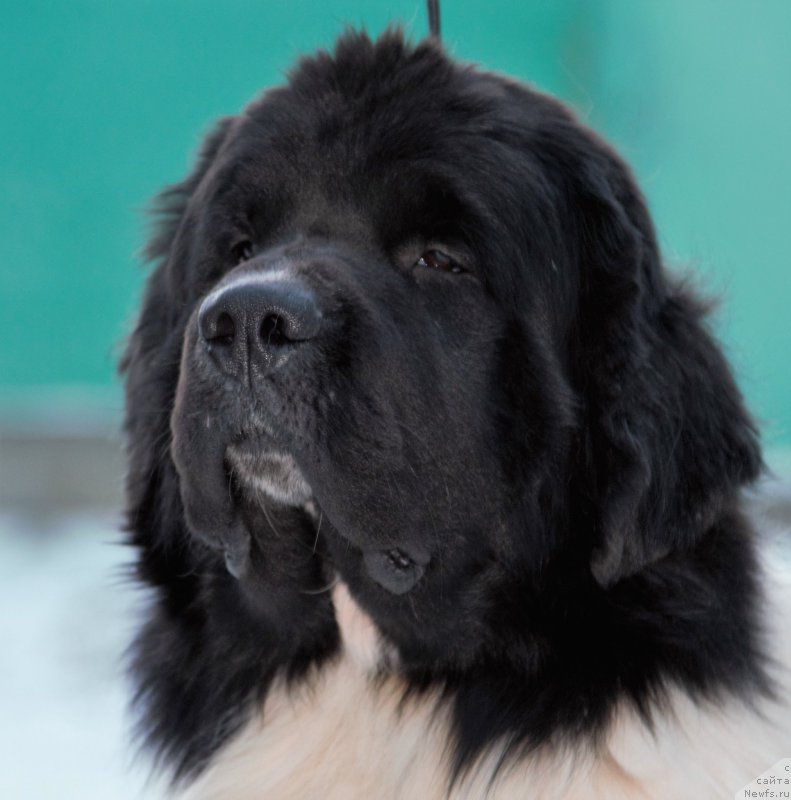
256 322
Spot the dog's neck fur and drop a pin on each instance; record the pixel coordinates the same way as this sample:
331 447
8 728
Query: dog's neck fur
574 652
351 733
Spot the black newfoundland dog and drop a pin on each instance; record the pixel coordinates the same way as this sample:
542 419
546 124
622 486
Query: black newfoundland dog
434 471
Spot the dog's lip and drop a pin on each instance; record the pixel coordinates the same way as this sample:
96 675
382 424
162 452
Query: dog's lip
269 469
237 557
395 569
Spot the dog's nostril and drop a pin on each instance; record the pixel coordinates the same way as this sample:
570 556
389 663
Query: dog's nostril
272 331
224 329
257 321
216 326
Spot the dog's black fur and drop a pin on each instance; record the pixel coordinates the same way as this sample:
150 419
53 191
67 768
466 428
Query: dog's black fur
544 422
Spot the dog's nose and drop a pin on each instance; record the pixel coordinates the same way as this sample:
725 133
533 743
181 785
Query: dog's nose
258 322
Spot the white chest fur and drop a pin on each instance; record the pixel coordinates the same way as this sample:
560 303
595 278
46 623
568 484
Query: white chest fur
349 737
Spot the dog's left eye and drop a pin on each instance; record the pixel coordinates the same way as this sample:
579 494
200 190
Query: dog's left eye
242 251
437 259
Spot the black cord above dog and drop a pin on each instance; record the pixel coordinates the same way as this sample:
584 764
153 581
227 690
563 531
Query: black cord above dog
433 18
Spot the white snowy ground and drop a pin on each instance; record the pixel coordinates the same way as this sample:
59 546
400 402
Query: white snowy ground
66 616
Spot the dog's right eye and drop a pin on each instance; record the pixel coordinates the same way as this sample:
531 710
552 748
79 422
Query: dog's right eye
242 251
439 260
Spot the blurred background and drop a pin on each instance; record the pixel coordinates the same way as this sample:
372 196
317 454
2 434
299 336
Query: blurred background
103 103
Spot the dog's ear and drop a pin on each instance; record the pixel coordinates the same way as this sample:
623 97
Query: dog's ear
667 439
166 648
190 694
149 365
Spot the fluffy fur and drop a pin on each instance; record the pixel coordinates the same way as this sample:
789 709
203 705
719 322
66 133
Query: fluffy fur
459 510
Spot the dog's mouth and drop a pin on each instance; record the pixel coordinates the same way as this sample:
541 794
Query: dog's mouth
395 570
273 475
269 474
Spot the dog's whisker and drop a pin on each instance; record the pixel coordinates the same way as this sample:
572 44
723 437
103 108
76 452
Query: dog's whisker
318 530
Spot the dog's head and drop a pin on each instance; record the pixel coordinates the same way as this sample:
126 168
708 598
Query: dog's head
409 325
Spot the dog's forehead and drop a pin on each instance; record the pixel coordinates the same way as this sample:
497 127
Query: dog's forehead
389 143
375 110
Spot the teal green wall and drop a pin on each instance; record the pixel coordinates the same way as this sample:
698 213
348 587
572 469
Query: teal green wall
697 94
104 101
